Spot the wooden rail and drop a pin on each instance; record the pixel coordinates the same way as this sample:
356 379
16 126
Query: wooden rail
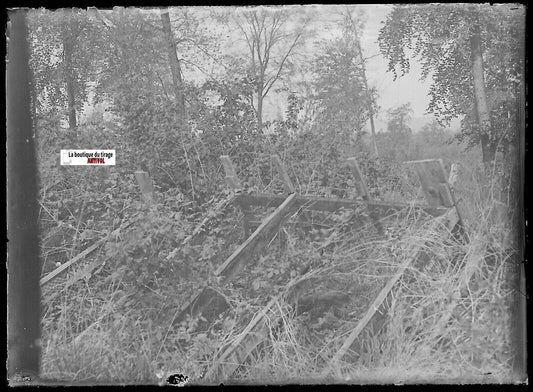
234 354
248 250
331 204
449 220
148 196
436 188
59 270
258 240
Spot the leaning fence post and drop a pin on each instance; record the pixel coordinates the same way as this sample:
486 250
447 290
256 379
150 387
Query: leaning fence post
233 181
362 190
360 183
287 183
146 185
231 175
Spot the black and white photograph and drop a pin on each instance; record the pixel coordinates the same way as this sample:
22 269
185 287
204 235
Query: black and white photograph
266 195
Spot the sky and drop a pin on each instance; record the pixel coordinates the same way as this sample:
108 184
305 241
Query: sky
391 94
408 88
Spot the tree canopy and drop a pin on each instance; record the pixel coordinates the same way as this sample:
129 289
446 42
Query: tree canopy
444 39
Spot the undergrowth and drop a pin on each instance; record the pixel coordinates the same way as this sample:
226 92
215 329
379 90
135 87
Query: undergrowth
115 323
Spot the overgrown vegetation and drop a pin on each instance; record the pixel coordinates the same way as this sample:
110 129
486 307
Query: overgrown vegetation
111 318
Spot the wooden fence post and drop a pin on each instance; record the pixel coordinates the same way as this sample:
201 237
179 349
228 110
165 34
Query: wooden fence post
146 185
432 175
362 190
233 181
231 175
287 183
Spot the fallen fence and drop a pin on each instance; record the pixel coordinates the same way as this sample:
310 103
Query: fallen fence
437 190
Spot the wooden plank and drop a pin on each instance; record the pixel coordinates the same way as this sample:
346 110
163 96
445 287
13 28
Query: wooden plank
146 185
454 175
287 183
147 190
452 179
58 271
362 190
257 241
233 181
234 354
446 195
436 187
431 174
237 351
450 219
360 183
231 175
251 247
331 204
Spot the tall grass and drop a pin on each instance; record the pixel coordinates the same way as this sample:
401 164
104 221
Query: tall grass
436 325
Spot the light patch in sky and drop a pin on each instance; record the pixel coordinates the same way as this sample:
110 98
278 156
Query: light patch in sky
391 93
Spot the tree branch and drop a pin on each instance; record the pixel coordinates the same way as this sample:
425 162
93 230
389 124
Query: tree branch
271 81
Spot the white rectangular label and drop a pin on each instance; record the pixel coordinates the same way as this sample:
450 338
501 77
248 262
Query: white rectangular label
88 157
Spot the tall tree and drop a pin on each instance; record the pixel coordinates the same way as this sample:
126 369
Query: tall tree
65 58
457 46
478 81
397 139
271 42
70 40
342 99
175 67
352 27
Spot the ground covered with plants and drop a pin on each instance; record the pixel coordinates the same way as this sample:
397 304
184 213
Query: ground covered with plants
107 79
111 318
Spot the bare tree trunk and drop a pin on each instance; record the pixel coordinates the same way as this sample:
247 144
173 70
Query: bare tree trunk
68 48
483 117
175 67
177 82
370 109
259 113
373 130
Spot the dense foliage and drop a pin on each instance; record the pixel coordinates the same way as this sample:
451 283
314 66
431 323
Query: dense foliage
104 79
440 36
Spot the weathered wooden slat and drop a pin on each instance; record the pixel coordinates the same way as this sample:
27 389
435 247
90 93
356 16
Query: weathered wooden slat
58 271
454 174
233 181
287 183
258 240
146 185
231 175
236 353
446 195
437 189
431 174
450 219
147 192
256 332
203 300
331 205
359 179
362 190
